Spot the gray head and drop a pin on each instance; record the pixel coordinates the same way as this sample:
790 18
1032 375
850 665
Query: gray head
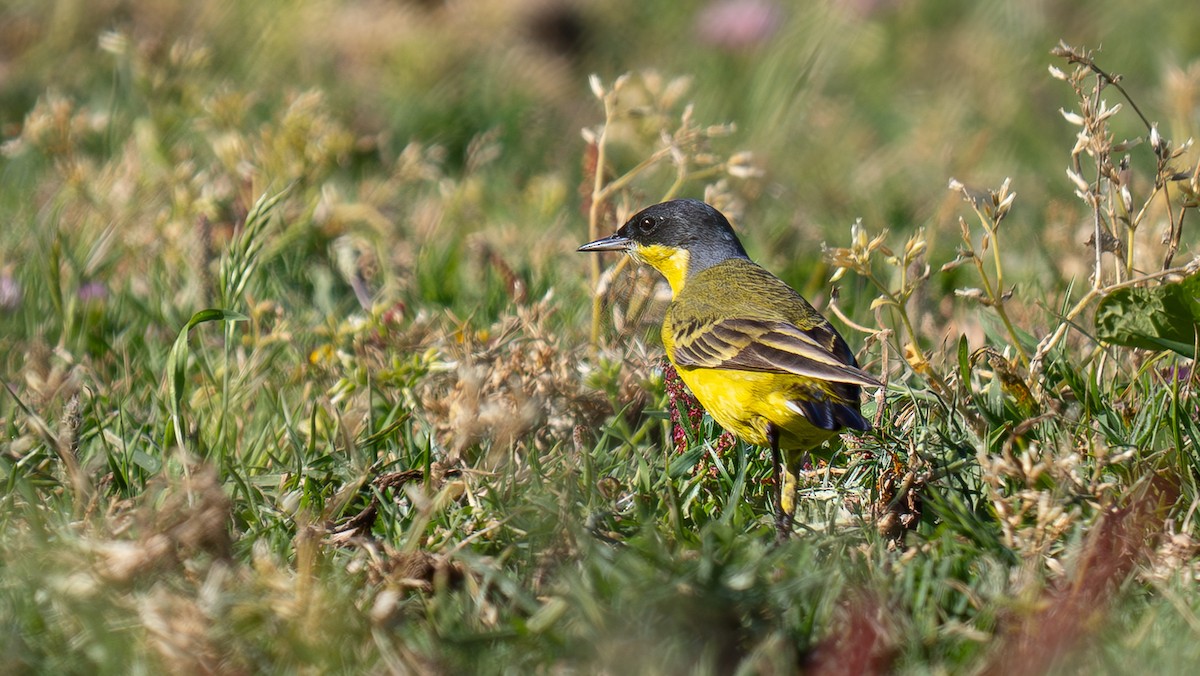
686 224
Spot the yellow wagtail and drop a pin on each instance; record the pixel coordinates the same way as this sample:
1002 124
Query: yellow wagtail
763 363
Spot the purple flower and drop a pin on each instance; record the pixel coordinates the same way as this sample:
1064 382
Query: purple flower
679 399
93 291
738 24
1181 374
10 292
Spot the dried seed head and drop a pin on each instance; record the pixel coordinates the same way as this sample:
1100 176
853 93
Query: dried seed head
1079 181
1073 118
596 86
1105 112
741 165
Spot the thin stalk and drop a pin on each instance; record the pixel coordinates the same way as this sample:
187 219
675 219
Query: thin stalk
1176 229
901 309
603 193
594 211
995 291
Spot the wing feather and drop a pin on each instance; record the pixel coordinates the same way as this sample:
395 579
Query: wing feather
770 346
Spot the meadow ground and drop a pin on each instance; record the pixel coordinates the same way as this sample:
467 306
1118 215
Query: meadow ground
302 373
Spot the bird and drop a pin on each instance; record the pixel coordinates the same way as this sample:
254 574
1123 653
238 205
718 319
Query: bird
756 355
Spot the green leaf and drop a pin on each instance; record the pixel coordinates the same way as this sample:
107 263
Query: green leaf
147 462
964 362
685 461
177 363
1163 317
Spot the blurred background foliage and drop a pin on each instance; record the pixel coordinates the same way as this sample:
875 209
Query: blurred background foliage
862 108
412 313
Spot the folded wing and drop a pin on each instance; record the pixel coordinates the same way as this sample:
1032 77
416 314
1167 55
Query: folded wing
770 346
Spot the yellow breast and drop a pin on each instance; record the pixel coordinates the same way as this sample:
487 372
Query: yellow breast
745 402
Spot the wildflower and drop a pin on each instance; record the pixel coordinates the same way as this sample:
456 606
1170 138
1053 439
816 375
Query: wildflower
738 24
680 401
858 256
93 291
10 292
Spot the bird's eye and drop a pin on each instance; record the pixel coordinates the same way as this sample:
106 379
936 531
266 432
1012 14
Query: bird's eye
647 224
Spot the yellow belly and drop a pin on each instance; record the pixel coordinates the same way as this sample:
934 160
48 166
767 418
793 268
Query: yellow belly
745 402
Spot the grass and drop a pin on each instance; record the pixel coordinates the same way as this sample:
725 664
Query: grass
301 371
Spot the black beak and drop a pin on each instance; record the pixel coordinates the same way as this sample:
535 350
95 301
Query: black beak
614 242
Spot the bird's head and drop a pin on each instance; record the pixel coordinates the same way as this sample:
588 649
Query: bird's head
678 238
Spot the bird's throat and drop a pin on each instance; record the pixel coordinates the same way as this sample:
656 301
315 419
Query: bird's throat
672 262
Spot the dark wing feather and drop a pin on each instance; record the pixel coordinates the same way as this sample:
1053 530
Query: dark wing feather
770 346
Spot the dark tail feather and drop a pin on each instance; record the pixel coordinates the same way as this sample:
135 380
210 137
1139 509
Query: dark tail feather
849 416
830 416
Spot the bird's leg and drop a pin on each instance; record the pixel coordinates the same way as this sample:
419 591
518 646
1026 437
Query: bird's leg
783 505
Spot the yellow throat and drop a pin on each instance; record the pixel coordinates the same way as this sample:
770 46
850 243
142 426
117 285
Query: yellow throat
672 262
